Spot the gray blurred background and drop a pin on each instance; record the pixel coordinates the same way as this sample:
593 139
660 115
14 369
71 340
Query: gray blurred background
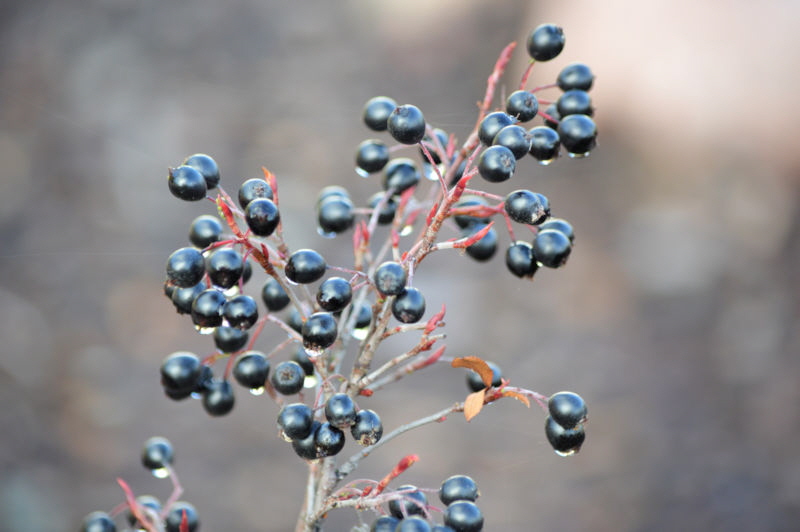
676 317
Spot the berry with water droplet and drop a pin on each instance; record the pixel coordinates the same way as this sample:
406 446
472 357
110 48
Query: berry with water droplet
157 453
305 266
251 370
376 112
564 441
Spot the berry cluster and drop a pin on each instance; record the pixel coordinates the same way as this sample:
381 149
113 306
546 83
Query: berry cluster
324 309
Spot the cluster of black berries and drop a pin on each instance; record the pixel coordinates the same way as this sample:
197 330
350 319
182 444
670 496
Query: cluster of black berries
157 457
564 425
409 511
312 439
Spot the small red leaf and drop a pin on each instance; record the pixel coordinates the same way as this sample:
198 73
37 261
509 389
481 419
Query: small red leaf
478 365
473 404
518 396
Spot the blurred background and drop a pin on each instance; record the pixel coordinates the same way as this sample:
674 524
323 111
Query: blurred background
676 317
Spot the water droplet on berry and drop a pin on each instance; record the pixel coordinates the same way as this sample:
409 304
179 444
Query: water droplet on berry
406 230
257 391
232 291
314 351
566 453
310 381
196 395
321 232
430 173
204 330
363 173
577 155
547 162
284 436
161 472
360 334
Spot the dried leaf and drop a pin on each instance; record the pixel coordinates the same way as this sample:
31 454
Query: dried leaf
473 404
518 396
476 364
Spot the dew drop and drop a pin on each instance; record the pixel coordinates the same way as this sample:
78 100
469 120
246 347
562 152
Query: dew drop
204 330
161 472
310 381
577 155
232 291
570 452
363 173
321 232
360 334
547 162
284 436
406 230
430 173
196 395
313 351
257 391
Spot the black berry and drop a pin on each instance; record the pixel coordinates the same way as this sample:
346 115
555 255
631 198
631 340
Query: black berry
515 138
551 248
262 216
230 339
475 383
273 295
390 278
412 502
386 214
224 267
400 174
546 42
551 116
147 504
207 308
305 266
559 224
328 440
492 124
578 134
406 124
467 221
306 448
527 207
288 377
180 372
485 248
409 305
185 267
295 421
319 332
99 522
385 523
334 294
575 102
253 189
301 357
522 105
564 441
240 311
218 397
176 515
363 316
464 516
430 144
335 215
567 409
413 523
206 166
575 76
458 488
496 164
372 155
187 183
519 259
340 410
368 429
251 370
545 143
157 453
332 191
376 112
205 230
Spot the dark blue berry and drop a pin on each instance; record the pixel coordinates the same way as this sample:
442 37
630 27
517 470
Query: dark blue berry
301 357
458 488
574 102
575 76
522 105
559 224
526 207
254 189
544 144
157 453
386 214
295 421
464 516
475 383
367 429
578 134
385 523
363 316
552 118
187 183
467 221
240 311
180 372
332 191
207 308
372 155
230 339
273 295
340 410
262 216
567 409
185 267
496 164
414 523
305 266
400 174
551 248
564 441
295 320
520 261
546 42
306 448
485 248
218 398
334 294
406 124
99 522
335 214
390 278
319 332
225 267
176 514
206 166
515 138
376 112
328 440
492 124
251 370
412 502
205 230
288 377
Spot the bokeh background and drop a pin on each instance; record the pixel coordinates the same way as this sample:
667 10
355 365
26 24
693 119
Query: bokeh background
676 317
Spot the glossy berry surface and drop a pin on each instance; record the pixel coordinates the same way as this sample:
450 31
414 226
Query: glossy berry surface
368 428
492 124
522 105
363 316
575 76
376 112
262 216
225 267
334 294
559 224
176 514
253 189
575 102
372 155
564 441
340 410
319 332
551 248
305 266
251 370
409 305
578 134
230 339
552 118
301 357
328 440
205 230
545 143
389 207
335 215
464 516
385 523
400 174
295 421
519 259
306 448
240 311
497 164
546 42
185 267
218 398
273 295
568 409
406 124
414 523
485 248
186 183
515 138
526 207
287 378
207 308
412 502
157 453
207 167
148 505
332 191
475 383
390 278
98 522
180 372
458 488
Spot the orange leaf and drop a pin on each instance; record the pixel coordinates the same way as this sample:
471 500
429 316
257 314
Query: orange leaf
473 404
476 364
518 396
